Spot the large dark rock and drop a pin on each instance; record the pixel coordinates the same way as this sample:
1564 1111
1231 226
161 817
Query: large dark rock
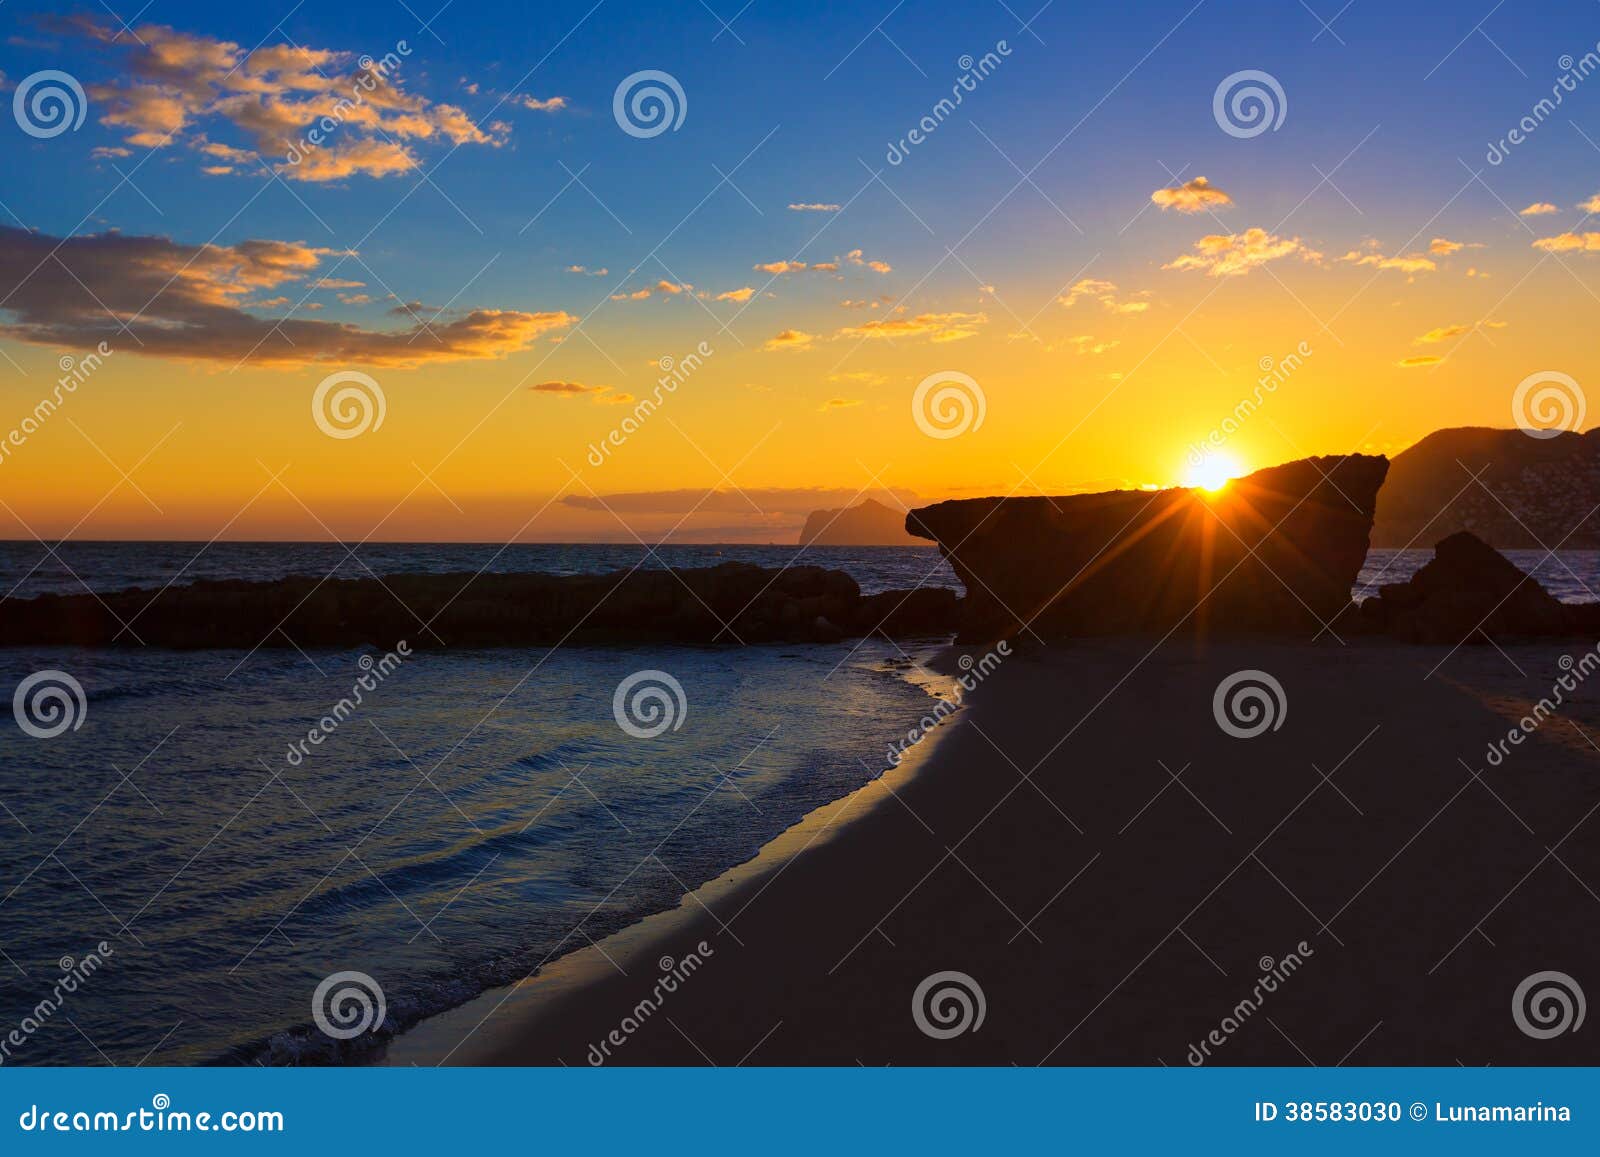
1471 593
868 523
1276 551
730 603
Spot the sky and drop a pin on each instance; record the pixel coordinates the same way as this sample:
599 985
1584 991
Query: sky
444 314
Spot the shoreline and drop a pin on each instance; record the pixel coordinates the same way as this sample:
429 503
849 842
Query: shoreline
1115 875
489 1025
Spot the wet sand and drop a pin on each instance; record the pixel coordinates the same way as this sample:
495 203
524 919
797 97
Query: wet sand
1117 874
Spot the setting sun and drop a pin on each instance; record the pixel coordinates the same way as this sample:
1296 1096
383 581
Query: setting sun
1212 473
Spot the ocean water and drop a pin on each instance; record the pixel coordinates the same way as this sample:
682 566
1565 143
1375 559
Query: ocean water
478 813
1573 576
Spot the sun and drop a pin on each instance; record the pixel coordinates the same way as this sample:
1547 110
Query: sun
1212 472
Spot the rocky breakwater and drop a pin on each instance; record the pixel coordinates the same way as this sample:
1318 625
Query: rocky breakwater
1276 551
1471 593
731 603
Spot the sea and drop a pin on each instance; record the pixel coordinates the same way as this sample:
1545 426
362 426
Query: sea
476 814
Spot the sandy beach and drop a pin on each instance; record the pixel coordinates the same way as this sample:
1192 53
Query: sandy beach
1119 876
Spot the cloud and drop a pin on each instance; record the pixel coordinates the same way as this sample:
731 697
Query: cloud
103 152
1569 242
566 389
636 295
1444 333
1086 344
1592 205
741 295
774 500
672 288
1105 293
192 302
1443 246
838 404
1538 209
865 377
587 272
936 327
777 267
168 82
827 266
1410 263
1230 254
600 395
854 257
548 104
790 339
814 207
1418 362
1194 196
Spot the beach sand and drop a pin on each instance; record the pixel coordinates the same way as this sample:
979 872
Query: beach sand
1116 874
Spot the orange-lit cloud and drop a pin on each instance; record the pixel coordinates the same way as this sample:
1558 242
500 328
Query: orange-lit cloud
790 339
937 327
1569 243
1231 254
1418 362
1411 263
275 96
154 296
1539 209
741 295
777 267
548 104
1194 196
838 404
813 207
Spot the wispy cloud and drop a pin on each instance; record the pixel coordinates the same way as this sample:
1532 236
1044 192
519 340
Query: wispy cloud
1569 243
790 339
814 207
1232 254
1539 209
937 327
